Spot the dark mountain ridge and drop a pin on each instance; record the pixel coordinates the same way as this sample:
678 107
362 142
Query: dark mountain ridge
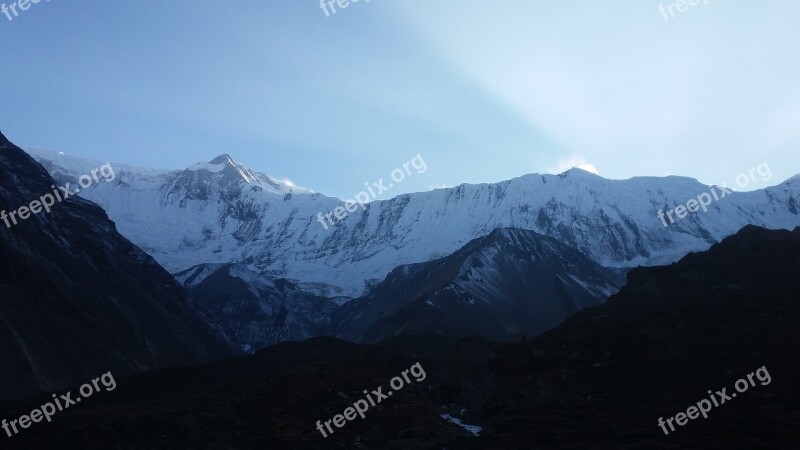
252 311
77 299
510 282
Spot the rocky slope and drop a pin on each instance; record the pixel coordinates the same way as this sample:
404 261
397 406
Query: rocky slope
77 299
253 312
511 282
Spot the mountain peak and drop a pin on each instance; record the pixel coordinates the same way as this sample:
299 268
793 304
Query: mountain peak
222 159
225 171
578 171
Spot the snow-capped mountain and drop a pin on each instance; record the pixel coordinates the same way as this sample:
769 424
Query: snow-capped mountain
511 282
221 212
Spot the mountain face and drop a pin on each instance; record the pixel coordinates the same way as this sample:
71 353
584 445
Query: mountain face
220 213
77 299
600 381
511 282
252 312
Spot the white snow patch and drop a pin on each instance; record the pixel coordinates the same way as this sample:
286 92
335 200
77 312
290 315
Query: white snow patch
208 167
474 429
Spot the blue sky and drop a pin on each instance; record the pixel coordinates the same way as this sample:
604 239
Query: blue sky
484 91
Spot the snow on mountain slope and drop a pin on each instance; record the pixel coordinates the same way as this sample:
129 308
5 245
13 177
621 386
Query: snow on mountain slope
63 166
209 214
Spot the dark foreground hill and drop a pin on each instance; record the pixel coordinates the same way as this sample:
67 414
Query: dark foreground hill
603 378
76 298
600 380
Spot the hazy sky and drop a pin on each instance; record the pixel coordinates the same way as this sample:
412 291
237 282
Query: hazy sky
484 91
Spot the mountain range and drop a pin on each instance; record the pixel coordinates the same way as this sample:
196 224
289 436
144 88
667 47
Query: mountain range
522 300
223 212
258 265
